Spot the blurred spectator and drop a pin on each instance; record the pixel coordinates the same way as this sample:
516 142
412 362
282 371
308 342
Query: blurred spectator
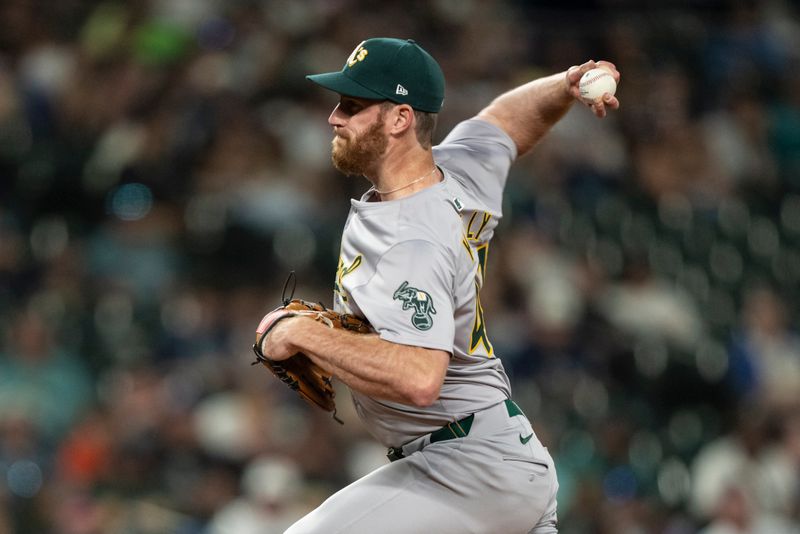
644 306
271 501
765 352
735 514
39 381
747 481
739 140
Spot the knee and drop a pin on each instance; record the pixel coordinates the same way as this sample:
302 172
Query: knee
297 528
306 525
547 525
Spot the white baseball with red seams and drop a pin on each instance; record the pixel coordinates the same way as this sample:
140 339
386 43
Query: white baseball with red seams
595 83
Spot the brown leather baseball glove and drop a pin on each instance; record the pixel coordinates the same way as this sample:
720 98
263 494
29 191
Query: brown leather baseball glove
300 373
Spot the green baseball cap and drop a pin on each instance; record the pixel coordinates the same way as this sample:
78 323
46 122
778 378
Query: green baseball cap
389 69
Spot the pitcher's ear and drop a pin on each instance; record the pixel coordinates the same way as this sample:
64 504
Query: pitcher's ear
402 118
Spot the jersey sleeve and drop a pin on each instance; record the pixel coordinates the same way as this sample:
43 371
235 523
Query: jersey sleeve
479 154
409 299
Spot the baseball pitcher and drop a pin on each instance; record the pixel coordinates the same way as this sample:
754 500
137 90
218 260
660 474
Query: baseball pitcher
425 377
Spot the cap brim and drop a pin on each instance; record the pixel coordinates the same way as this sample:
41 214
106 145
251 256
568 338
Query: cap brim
340 83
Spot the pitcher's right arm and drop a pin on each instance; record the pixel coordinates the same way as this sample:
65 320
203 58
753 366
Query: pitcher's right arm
526 113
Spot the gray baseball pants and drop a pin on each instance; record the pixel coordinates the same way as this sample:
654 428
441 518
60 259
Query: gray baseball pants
498 479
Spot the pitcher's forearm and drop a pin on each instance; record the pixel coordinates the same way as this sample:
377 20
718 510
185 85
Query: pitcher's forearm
375 367
526 113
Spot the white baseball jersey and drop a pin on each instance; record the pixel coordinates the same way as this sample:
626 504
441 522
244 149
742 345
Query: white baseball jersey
413 267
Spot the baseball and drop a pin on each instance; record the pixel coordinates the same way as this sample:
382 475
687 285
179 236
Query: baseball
595 83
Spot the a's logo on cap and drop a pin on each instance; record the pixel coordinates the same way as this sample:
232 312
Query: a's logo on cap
401 90
357 55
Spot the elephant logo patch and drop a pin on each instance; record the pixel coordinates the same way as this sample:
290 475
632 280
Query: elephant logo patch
422 303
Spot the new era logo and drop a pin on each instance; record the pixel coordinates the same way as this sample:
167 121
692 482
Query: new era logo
401 90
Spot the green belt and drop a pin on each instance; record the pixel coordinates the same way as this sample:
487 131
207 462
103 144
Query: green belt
457 429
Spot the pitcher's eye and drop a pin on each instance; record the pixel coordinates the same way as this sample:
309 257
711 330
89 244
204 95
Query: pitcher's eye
350 107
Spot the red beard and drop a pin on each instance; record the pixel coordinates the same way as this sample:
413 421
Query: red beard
360 155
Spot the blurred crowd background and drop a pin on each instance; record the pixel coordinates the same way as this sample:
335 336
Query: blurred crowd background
164 164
